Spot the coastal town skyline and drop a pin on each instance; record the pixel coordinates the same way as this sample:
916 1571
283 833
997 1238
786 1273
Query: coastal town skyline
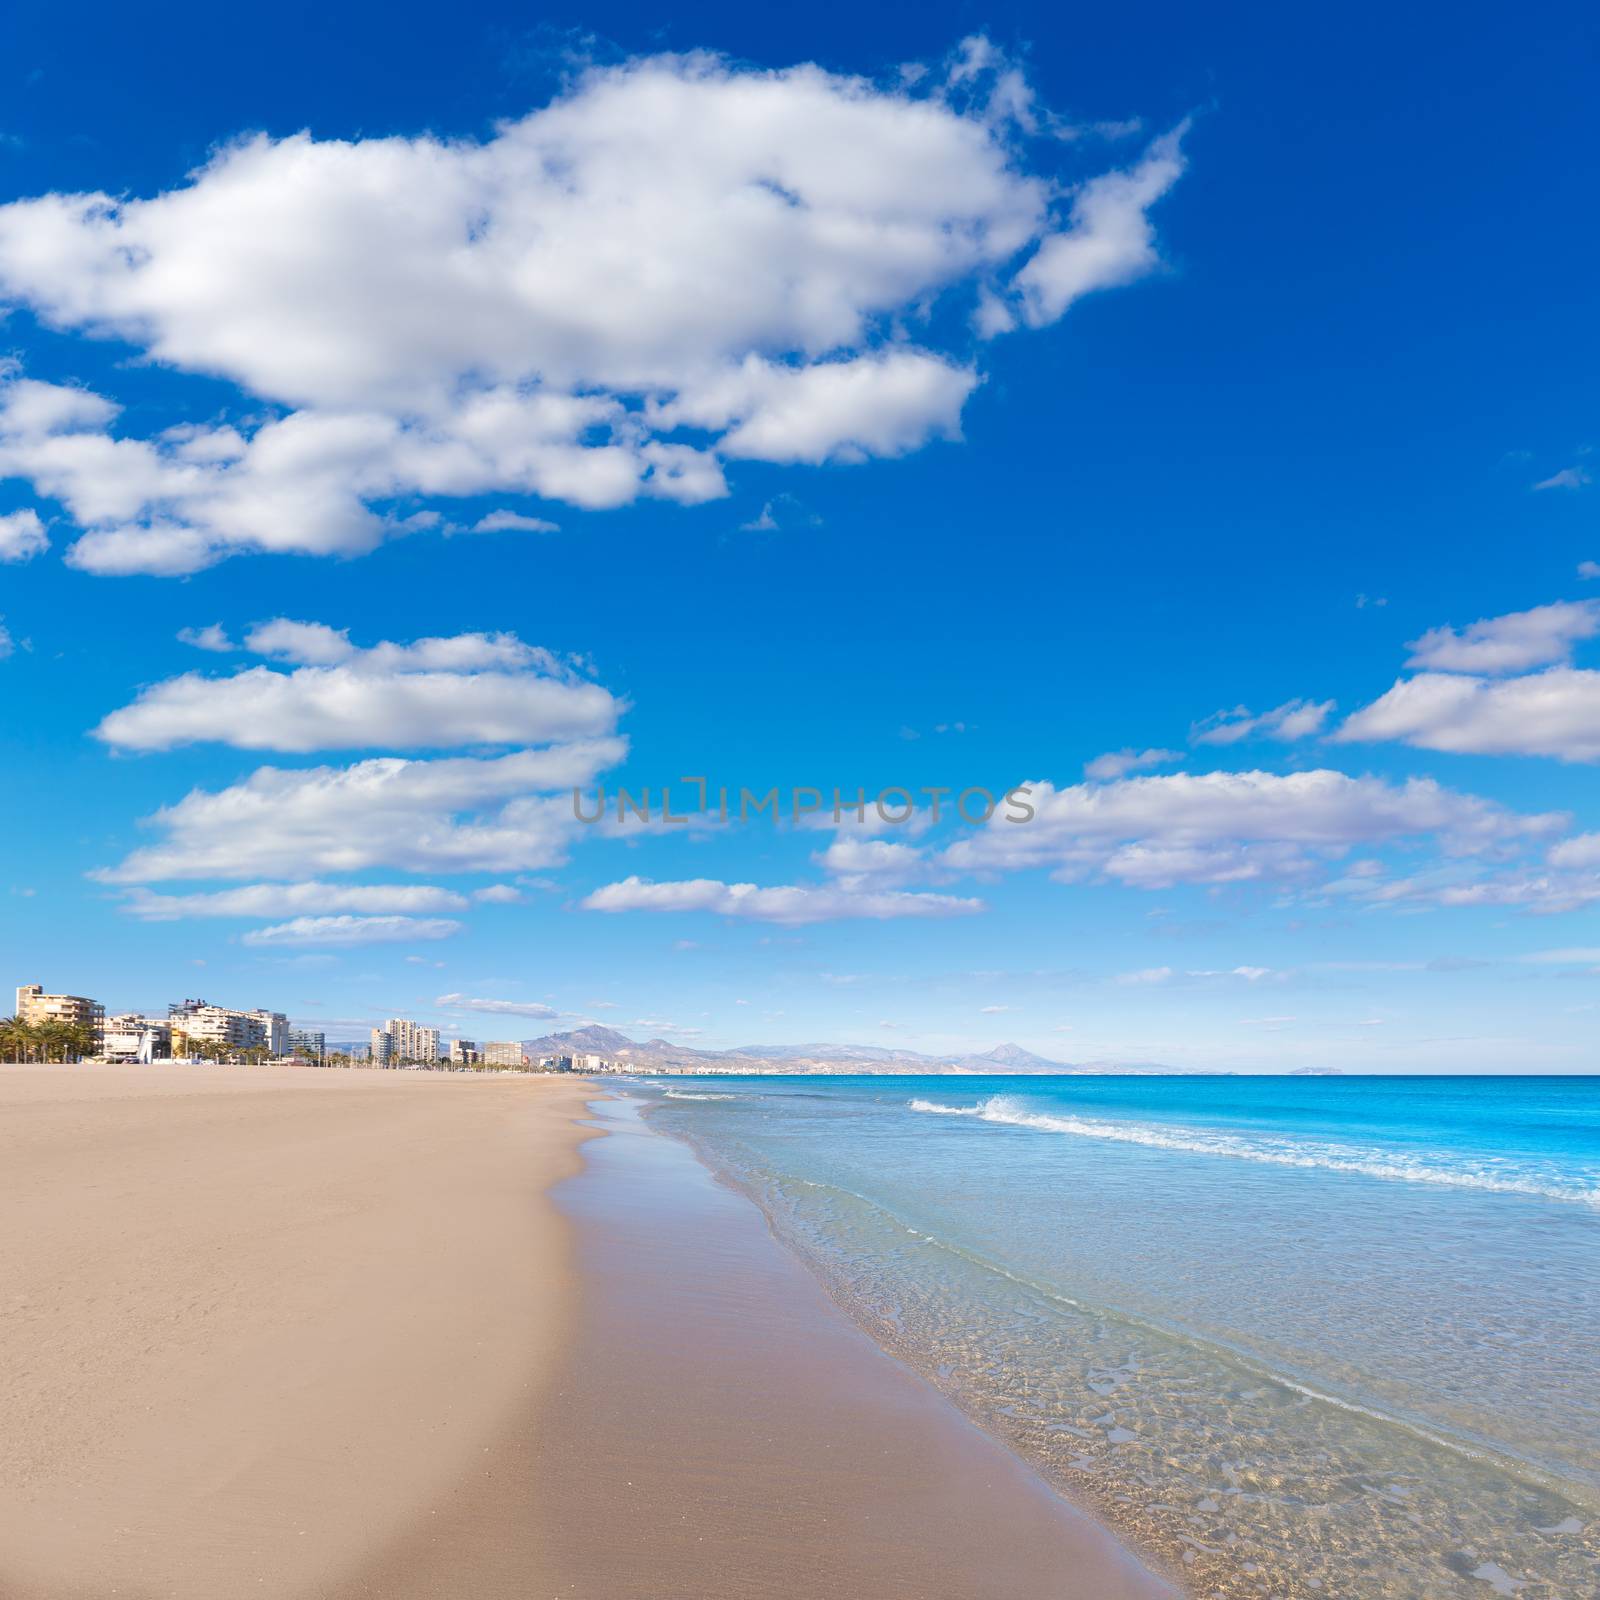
320 642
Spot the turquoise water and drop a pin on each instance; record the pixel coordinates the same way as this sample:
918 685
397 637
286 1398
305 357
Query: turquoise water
1296 1336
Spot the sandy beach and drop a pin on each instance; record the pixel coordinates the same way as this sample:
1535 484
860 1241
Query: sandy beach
296 1333
255 1322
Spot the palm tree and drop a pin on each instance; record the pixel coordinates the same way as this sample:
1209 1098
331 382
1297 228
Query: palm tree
14 1039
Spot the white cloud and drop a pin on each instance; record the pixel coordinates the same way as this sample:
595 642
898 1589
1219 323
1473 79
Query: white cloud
498 894
1119 763
1513 643
22 536
784 903
472 689
497 1008
992 1010
212 637
1145 975
288 899
461 814
1294 719
861 862
7 643
501 521
1550 713
1566 478
1108 239
353 930
1230 827
1589 569
446 319
1583 850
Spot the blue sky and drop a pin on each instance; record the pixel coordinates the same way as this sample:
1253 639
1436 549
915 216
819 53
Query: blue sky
944 397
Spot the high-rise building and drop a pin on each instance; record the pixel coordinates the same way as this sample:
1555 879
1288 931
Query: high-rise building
464 1053
308 1043
401 1043
412 1041
503 1053
36 1007
201 1023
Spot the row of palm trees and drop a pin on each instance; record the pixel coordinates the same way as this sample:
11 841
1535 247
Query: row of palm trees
44 1041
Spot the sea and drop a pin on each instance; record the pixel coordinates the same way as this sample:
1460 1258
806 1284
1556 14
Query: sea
1290 1336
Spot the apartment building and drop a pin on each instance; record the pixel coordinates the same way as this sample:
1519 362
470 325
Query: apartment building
313 1046
503 1053
199 1022
399 1043
464 1053
132 1037
35 1007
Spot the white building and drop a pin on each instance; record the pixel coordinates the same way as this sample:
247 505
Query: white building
399 1042
200 1023
464 1053
503 1053
135 1038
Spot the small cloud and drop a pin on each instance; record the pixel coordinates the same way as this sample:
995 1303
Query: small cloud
989 1011
498 894
22 536
1145 975
497 1008
779 514
1119 763
1589 569
513 521
213 637
1365 600
1566 478
1294 719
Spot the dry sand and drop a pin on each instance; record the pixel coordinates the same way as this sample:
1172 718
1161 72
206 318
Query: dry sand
256 1322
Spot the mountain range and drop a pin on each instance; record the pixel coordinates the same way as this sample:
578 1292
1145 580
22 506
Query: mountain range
656 1055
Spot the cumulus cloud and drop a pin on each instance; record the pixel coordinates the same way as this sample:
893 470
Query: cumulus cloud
677 263
497 1008
1551 713
1516 642
213 637
1583 850
22 536
353 930
288 899
1294 719
1119 763
859 862
785 903
1232 827
468 690
460 814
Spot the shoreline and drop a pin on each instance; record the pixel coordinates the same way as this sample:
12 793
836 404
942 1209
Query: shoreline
741 1436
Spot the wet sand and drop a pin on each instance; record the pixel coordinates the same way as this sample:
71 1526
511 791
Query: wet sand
718 1430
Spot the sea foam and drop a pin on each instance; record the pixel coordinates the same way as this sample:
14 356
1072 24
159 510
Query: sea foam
1326 1156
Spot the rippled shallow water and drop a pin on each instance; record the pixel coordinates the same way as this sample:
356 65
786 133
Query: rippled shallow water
1293 1337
